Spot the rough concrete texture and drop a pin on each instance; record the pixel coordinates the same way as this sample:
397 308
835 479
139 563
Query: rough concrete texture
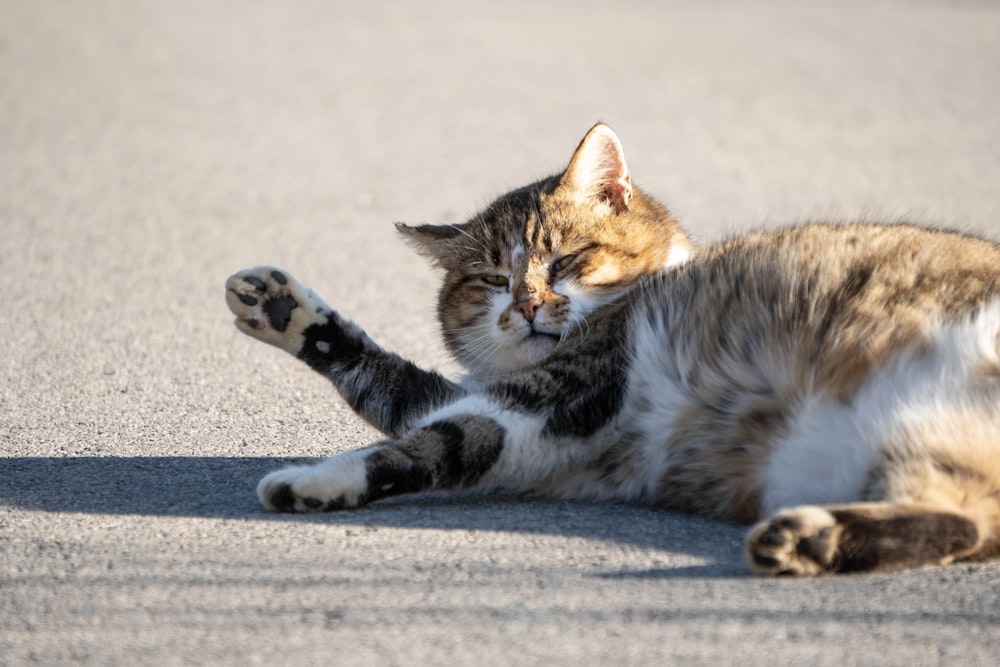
149 149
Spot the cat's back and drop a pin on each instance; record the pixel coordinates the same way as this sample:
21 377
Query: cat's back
836 299
895 263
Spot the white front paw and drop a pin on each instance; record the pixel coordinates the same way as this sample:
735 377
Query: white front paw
271 306
337 483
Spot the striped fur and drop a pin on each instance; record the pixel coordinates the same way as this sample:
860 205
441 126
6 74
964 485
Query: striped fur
836 385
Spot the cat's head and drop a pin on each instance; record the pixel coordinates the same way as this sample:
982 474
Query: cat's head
526 272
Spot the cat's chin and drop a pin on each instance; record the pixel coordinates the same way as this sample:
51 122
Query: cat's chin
537 346
516 356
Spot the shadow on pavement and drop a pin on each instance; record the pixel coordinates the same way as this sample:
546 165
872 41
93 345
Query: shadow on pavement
220 487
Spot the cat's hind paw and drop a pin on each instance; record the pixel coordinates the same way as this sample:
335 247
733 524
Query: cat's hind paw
271 306
337 483
800 541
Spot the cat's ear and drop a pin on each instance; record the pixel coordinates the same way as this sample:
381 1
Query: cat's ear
597 172
433 241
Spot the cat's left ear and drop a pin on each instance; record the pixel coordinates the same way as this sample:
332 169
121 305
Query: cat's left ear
597 172
433 241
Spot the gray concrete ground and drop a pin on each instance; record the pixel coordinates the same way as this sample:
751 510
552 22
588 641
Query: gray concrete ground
149 149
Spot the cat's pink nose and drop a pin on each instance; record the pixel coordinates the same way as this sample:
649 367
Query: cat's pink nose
528 306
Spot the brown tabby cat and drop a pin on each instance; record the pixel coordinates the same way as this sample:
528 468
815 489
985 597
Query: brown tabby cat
837 383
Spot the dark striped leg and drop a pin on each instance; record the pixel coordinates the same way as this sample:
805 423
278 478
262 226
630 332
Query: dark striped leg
859 538
389 392
449 454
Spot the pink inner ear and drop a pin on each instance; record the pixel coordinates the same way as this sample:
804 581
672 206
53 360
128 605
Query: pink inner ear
598 169
618 193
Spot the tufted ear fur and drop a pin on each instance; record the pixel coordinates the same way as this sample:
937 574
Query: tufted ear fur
597 173
432 241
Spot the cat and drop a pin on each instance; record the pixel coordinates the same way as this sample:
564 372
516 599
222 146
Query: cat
834 386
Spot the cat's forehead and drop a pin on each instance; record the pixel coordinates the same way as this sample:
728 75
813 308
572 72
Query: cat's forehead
524 223
515 240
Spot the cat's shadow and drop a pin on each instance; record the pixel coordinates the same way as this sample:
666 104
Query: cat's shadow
224 488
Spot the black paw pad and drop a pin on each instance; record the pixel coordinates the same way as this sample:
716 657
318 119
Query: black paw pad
282 498
279 311
280 277
766 561
774 537
256 282
791 523
337 503
816 547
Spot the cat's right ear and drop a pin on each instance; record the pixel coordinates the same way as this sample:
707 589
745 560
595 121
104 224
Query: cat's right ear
597 173
433 241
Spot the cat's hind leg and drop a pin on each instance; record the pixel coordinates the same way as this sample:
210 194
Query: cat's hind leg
862 537
938 500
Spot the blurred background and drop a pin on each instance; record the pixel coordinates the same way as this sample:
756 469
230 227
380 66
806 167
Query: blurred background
149 149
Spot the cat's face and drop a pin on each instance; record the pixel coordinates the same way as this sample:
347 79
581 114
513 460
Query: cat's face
526 272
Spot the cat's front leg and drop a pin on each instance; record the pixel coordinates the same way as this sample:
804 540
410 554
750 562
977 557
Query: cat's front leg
388 391
448 454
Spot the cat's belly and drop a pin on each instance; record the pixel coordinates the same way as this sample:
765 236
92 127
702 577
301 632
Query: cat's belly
825 458
833 447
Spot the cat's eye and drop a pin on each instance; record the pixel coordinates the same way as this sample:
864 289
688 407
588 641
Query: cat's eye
563 262
496 281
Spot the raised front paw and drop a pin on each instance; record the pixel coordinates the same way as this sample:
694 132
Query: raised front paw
271 306
800 541
337 483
